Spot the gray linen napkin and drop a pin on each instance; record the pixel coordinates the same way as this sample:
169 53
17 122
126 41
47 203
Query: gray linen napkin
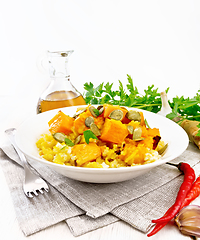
136 201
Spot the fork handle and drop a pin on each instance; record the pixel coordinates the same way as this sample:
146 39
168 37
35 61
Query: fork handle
11 135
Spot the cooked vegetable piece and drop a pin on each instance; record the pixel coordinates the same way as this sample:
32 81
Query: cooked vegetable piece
60 137
152 132
109 108
137 133
77 139
130 129
93 111
156 140
86 152
78 112
163 149
101 109
95 129
88 121
142 122
113 131
79 122
116 114
133 153
61 123
133 115
99 121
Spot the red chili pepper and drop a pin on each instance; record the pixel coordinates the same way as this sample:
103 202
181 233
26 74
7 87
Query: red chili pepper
193 193
156 229
189 177
159 226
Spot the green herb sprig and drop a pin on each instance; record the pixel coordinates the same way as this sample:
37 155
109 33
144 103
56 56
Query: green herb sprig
128 95
124 96
187 108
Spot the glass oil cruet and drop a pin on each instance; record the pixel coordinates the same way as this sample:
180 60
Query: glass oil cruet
60 92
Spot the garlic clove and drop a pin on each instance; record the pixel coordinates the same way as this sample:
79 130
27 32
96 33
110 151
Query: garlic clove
165 109
188 220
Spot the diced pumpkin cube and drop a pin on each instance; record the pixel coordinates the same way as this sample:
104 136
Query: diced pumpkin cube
142 123
109 108
113 131
79 122
61 123
86 152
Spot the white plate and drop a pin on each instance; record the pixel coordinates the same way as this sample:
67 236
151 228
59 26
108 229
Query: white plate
30 131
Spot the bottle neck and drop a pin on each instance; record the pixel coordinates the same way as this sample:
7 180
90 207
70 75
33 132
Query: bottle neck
59 69
58 64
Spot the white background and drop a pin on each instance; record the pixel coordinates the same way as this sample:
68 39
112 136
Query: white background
156 42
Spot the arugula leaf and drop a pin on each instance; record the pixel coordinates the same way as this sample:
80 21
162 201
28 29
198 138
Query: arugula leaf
69 142
174 112
89 134
133 90
125 95
128 95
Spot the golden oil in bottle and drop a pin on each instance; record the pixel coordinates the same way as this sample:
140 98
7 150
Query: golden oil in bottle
60 99
60 92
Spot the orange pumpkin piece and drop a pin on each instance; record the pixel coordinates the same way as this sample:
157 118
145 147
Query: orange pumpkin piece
61 123
86 152
113 131
142 123
79 122
133 153
153 132
134 124
147 142
125 120
109 108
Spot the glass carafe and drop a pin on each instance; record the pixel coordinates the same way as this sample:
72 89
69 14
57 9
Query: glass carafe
60 92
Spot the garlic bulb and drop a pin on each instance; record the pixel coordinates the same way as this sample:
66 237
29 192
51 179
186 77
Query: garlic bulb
188 220
165 109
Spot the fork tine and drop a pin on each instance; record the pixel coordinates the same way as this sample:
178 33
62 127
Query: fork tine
40 190
28 194
33 184
46 189
35 192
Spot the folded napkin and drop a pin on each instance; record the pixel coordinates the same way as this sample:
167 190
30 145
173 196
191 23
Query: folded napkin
86 206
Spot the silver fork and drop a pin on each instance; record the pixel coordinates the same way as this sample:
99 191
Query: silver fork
33 184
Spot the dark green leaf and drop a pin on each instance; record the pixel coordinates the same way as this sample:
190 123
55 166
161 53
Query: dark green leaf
188 108
96 111
69 142
89 134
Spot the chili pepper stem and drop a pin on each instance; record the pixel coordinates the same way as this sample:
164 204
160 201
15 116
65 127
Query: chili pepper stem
173 164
